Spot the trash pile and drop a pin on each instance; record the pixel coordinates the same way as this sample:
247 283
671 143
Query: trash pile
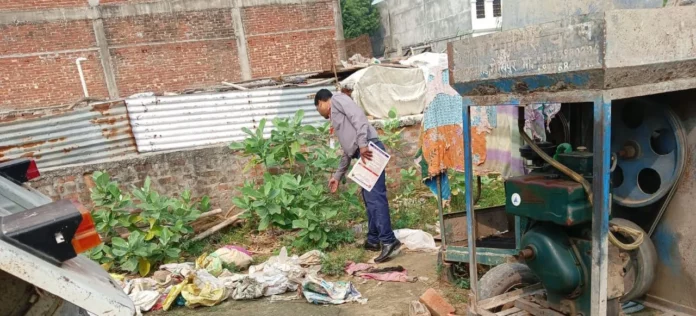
209 281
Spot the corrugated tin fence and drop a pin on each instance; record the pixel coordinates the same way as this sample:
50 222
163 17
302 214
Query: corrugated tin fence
85 135
186 121
102 132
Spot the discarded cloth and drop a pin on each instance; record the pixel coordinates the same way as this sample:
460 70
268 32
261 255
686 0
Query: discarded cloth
388 274
320 291
144 300
537 118
416 239
431 182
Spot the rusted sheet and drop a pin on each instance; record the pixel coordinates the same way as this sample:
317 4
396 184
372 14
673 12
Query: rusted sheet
96 133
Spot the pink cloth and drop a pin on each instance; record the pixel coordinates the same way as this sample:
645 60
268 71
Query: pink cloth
240 249
356 269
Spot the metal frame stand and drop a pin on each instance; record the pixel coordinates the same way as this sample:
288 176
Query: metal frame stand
601 208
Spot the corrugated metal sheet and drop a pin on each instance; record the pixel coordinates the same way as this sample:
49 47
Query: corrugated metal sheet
186 121
96 133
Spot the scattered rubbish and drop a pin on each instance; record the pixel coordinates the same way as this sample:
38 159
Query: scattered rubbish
424 279
416 239
311 258
358 228
144 300
182 269
387 274
320 291
237 256
358 61
436 304
279 274
204 289
280 298
417 308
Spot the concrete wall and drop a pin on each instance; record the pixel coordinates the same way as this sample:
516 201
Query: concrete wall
517 14
134 46
411 22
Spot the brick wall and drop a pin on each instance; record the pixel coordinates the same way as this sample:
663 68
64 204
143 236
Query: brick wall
359 45
151 47
293 42
216 172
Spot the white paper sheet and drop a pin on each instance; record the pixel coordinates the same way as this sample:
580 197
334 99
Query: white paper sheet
366 174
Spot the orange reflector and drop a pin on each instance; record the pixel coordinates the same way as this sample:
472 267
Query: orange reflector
86 236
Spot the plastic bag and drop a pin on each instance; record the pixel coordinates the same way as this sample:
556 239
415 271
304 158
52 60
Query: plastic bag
320 291
311 258
416 239
204 289
279 274
212 263
233 255
144 300
173 294
183 269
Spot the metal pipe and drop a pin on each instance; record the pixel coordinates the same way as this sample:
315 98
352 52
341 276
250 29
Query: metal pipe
469 197
440 211
601 204
82 75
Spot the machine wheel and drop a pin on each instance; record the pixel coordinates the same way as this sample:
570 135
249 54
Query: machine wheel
640 270
505 278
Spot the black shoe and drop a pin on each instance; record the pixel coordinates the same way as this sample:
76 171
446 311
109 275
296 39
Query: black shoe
371 247
387 251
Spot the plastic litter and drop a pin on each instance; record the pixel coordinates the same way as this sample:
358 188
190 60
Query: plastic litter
144 300
279 274
320 291
234 255
204 289
183 269
416 239
311 258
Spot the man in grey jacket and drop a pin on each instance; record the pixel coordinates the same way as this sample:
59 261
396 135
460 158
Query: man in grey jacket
354 132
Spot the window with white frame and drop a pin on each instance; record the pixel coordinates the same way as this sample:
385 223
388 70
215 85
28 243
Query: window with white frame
486 15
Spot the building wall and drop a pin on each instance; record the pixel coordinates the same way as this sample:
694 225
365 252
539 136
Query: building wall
517 14
135 46
407 23
216 172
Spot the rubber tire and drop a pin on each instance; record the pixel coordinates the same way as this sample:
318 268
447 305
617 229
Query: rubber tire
501 278
646 259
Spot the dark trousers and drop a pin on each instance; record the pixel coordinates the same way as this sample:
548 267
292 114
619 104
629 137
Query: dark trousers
377 205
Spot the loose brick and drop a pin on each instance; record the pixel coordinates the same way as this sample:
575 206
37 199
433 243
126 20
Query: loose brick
436 304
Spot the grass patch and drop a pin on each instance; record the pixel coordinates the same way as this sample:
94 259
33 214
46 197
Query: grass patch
492 193
334 263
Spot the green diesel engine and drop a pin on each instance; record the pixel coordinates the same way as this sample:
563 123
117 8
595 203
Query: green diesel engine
556 234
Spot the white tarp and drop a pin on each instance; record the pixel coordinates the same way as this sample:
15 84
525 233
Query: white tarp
377 89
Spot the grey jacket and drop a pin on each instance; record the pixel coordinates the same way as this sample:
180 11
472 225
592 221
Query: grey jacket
352 129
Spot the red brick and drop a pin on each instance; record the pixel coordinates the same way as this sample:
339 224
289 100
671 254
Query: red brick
359 45
436 304
11 5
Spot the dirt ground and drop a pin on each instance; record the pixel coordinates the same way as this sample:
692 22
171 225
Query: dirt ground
385 298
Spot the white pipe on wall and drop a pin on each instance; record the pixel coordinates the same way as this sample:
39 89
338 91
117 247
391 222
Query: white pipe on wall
82 75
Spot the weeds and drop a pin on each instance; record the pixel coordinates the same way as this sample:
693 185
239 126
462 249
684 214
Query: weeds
334 263
143 231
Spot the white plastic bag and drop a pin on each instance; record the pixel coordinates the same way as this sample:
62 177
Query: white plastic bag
416 239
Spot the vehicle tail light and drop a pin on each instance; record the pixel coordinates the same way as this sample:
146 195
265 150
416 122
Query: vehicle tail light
86 236
55 232
32 171
20 170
